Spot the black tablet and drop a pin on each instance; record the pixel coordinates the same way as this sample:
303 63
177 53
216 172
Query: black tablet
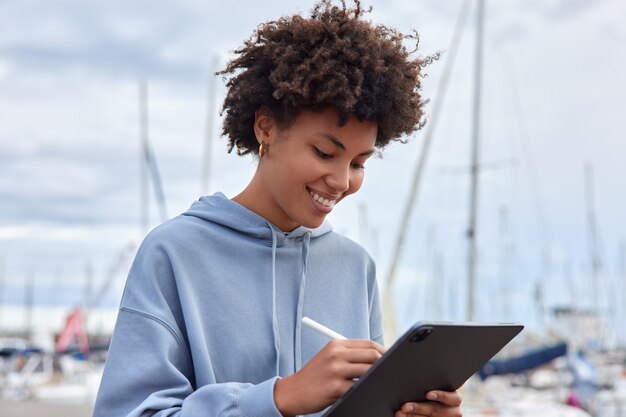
430 355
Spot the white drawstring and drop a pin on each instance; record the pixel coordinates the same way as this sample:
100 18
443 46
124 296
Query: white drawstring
306 239
275 329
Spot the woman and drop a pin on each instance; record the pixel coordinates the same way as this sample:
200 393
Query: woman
210 320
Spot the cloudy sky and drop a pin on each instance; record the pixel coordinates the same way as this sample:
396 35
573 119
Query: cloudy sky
553 104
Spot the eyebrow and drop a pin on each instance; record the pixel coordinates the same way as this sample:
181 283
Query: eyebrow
335 140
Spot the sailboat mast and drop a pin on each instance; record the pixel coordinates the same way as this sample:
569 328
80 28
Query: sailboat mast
506 249
149 164
622 279
88 291
593 238
595 259
475 148
208 136
29 298
389 316
143 163
2 274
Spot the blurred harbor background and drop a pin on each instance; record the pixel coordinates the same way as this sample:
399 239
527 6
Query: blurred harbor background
109 125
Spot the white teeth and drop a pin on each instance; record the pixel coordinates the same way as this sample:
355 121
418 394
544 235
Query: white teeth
323 201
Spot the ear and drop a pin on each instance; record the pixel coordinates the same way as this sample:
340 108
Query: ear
264 125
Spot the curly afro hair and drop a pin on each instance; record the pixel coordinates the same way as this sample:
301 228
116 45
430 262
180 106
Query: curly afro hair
332 59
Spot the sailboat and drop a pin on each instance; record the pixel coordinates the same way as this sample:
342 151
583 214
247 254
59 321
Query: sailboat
496 396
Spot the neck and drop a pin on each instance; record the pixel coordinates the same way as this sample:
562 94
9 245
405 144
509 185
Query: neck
255 199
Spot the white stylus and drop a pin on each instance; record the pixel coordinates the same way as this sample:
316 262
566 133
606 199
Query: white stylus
322 329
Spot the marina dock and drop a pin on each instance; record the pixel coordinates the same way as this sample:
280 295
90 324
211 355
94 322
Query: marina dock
12 408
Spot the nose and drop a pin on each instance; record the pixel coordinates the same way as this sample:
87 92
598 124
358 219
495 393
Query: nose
339 178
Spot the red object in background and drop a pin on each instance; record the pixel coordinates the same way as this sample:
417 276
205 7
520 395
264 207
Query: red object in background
573 401
74 329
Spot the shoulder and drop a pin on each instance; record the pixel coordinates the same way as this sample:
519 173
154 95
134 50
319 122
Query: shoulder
181 233
175 229
152 286
172 243
334 241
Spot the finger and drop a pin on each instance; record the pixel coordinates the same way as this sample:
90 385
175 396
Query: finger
415 410
451 399
355 371
340 347
354 350
368 356
348 371
362 344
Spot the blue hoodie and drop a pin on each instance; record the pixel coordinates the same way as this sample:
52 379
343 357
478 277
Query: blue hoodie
211 313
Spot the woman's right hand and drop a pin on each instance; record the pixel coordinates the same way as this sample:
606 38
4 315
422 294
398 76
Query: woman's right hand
326 376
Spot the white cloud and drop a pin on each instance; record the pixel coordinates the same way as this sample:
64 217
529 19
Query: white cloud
69 128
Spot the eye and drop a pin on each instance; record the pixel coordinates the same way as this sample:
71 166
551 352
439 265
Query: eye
357 165
321 154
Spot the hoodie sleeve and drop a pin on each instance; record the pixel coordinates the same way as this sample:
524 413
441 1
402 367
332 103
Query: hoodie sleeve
149 369
148 374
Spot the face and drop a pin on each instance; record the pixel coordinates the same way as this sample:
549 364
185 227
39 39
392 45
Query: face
310 166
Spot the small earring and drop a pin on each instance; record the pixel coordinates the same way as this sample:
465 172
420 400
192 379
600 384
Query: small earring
263 149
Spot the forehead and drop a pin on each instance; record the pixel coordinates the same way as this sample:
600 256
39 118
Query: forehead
325 123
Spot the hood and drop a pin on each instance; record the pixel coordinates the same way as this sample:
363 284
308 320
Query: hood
233 215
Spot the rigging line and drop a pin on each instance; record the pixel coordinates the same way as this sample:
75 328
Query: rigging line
621 274
421 284
526 148
29 301
389 316
527 154
209 133
157 183
483 166
504 262
593 236
601 286
144 198
148 153
115 268
413 302
2 282
475 149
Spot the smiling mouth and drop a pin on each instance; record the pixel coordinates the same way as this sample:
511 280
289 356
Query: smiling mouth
323 201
